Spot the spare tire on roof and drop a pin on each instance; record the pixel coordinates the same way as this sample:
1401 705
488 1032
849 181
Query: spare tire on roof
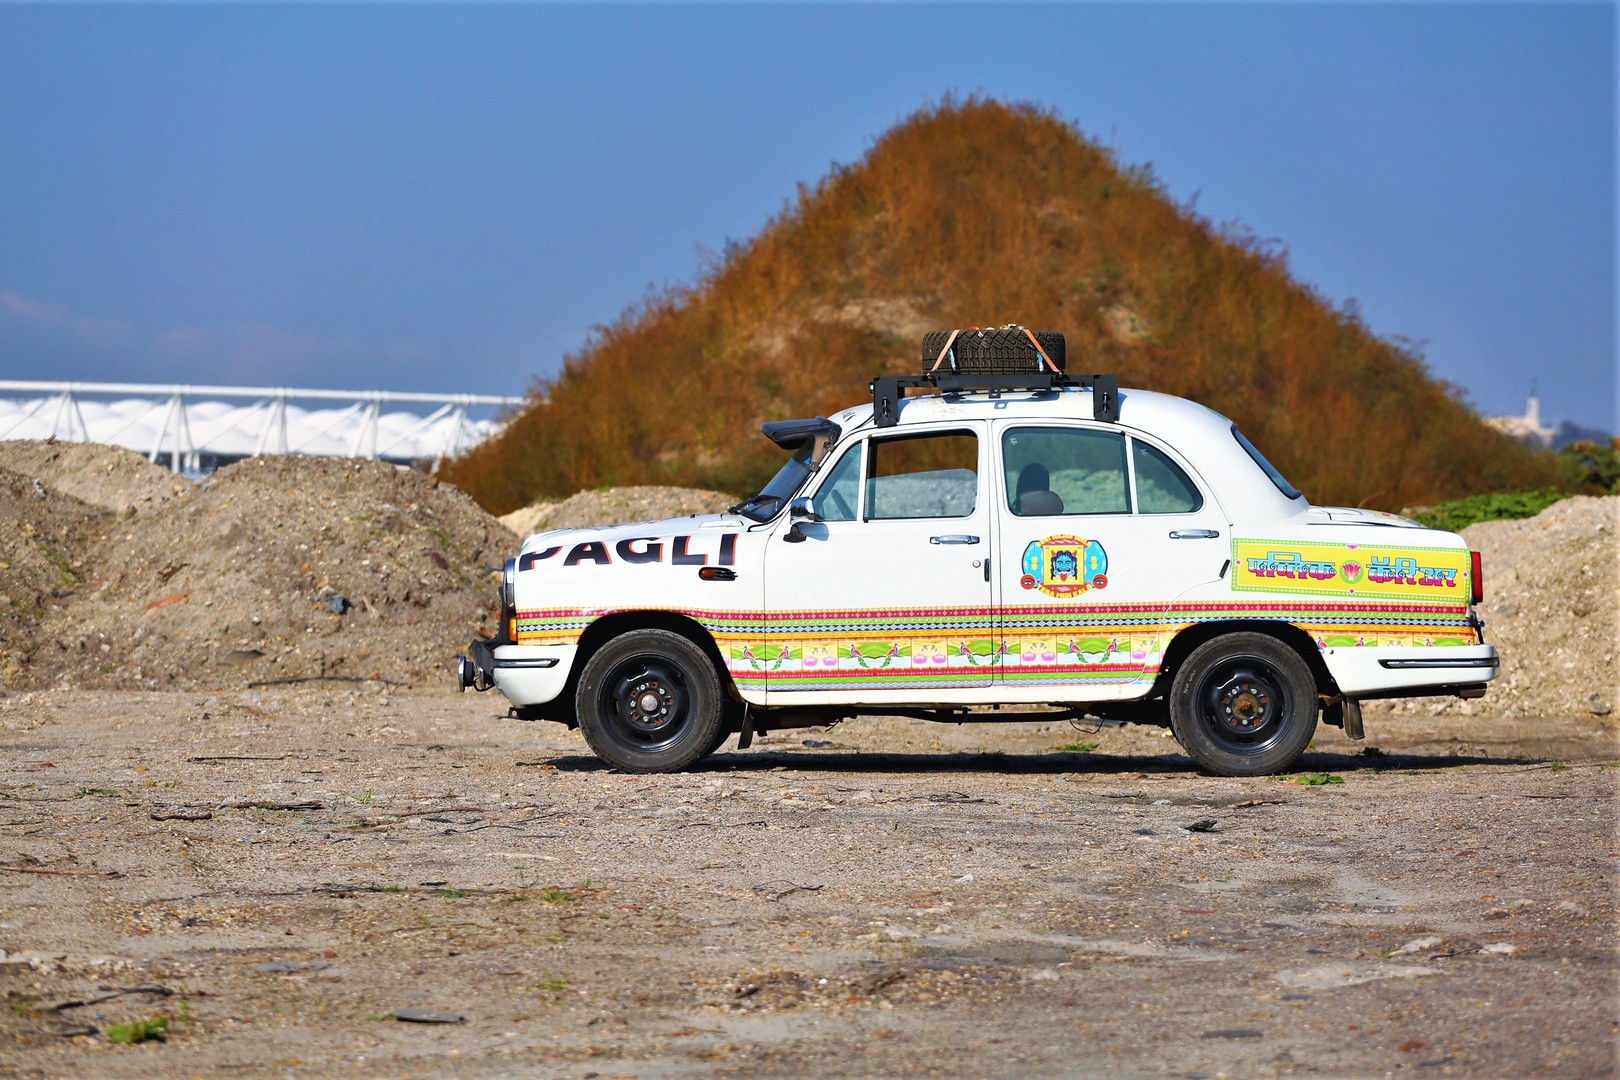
1004 351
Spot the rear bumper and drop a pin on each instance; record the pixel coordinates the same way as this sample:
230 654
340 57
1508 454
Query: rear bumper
1387 672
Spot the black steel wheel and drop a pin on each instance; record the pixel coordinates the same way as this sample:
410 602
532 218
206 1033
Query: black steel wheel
1244 704
650 701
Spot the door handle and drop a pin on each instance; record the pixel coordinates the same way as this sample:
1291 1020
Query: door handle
1194 534
955 538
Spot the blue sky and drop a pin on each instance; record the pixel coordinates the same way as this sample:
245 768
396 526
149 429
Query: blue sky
448 198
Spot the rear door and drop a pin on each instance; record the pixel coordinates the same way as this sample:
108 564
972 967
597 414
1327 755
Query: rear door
887 597
1099 533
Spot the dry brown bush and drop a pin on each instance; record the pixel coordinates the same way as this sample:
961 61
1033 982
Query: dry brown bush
980 213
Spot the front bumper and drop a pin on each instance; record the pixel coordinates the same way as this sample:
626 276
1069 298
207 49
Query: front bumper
1414 671
524 674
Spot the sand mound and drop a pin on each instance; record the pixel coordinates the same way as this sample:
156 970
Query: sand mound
43 536
615 506
110 477
290 568
280 568
1550 607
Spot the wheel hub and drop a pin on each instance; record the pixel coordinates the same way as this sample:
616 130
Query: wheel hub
648 702
1244 704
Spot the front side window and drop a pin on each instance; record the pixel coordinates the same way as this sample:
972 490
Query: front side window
922 476
1053 470
836 499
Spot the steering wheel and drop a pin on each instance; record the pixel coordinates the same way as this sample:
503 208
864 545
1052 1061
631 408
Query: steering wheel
844 512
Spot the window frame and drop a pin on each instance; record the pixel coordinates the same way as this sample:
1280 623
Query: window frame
1133 500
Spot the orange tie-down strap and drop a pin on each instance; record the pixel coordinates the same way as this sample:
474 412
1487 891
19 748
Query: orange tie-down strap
1031 335
940 359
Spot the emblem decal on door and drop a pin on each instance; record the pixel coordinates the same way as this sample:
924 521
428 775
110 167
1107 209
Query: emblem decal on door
1064 566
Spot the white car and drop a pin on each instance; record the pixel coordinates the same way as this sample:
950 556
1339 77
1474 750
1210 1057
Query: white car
1016 536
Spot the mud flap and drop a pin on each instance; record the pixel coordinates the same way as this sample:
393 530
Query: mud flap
1344 713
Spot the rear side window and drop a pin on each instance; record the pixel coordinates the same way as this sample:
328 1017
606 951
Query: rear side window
1055 470
923 476
1161 486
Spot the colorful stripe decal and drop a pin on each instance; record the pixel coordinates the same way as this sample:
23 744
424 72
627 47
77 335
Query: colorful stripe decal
1058 645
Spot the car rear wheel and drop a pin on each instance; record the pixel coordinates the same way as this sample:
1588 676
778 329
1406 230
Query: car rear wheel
1244 704
650 701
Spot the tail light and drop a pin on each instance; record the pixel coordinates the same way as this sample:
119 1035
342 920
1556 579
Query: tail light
1476 577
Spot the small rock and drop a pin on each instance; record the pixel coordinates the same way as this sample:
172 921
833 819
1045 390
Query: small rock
1498 948
1417 945
427 1016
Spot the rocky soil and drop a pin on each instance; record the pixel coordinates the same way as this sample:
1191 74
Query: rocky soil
109 477
290 879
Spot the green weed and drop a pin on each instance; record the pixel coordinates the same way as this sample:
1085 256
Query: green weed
153 1027
1316 779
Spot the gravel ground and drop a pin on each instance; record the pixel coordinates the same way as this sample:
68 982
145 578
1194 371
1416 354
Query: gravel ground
192 830
282 872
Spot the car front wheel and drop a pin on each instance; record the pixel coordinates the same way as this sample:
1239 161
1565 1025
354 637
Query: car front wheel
1244 704
650 701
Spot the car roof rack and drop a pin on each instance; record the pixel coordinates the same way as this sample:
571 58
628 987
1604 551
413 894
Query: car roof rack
888 390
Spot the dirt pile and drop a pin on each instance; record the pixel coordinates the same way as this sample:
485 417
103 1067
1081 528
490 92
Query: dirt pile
290 568
615 505
278 568
44 535
1550 607
106 476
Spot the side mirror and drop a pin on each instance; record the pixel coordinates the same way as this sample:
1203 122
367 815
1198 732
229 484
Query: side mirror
799 512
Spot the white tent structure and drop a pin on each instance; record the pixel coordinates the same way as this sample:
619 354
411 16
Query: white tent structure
197 431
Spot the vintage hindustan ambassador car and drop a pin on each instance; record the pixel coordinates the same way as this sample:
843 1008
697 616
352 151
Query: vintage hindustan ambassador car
992 532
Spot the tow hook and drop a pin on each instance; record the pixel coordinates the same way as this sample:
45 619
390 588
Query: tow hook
470 676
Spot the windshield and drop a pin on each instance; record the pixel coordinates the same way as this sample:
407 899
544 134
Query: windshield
775 494
1271 470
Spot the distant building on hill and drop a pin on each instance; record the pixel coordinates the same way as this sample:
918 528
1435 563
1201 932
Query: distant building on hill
1529 429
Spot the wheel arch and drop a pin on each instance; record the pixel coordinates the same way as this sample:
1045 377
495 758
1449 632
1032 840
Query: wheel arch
1182 645
608 627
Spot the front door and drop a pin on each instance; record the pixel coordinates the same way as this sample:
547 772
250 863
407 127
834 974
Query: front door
887 596
1100 533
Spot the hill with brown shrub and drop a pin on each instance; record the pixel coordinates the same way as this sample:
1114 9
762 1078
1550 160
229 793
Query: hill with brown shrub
979 213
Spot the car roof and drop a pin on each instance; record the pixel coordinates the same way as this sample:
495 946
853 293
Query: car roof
1197 435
